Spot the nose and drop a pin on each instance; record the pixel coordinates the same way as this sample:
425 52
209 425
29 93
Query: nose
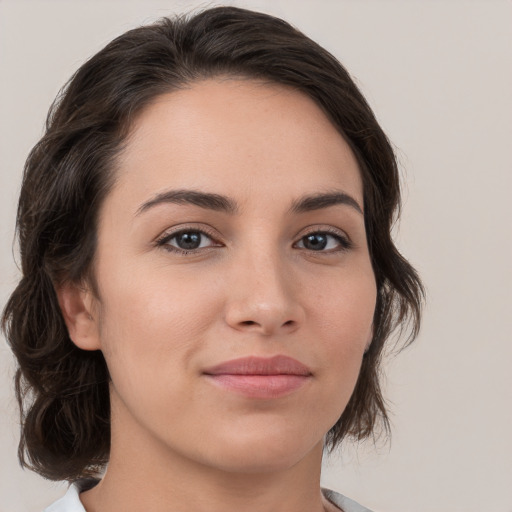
263 297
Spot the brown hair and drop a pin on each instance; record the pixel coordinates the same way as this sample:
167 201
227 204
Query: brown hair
63 391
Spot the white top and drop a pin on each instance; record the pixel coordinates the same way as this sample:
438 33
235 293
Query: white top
71 502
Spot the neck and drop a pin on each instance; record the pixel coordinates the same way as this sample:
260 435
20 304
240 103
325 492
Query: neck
144 474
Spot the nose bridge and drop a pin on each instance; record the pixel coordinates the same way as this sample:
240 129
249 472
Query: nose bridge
263 297
267 274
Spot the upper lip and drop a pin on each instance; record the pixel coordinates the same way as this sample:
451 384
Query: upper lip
277 365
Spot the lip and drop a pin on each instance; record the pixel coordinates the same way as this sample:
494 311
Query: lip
260 377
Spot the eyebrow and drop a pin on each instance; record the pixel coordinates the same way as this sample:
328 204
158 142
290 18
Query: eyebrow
324 200
205 200
217 202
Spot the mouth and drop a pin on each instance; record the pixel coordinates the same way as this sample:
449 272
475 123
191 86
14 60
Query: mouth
259 377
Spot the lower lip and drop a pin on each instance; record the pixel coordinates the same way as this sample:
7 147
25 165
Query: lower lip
260 386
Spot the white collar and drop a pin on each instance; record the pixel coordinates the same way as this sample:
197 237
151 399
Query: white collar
70 502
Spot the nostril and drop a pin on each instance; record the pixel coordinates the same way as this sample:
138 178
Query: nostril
252 322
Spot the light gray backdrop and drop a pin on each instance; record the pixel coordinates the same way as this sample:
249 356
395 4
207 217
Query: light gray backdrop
438 75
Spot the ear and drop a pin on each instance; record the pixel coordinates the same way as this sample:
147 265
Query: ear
77 304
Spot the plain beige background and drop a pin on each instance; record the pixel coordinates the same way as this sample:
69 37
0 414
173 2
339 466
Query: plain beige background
438 75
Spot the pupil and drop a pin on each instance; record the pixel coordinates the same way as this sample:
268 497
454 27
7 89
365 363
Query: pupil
190 240
316 241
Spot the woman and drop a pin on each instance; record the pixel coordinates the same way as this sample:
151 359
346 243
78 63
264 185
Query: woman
208 273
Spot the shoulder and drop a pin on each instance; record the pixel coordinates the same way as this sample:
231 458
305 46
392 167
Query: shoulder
70 502
343 503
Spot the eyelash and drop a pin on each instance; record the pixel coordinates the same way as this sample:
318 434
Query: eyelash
167 237
344 242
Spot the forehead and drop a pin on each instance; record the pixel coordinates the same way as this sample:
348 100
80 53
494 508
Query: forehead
236 137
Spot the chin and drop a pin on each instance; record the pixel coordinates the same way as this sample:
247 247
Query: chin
264 455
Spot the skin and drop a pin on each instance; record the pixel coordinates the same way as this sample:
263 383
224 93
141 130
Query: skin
253 288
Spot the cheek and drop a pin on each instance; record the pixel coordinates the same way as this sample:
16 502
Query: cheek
344 320
346 306
342 326
151 325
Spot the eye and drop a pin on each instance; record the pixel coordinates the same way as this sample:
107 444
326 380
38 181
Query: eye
321 241
186 240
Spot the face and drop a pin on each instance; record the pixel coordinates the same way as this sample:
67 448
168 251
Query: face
236 292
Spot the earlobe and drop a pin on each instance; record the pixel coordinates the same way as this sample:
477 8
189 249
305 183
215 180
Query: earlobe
77 306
